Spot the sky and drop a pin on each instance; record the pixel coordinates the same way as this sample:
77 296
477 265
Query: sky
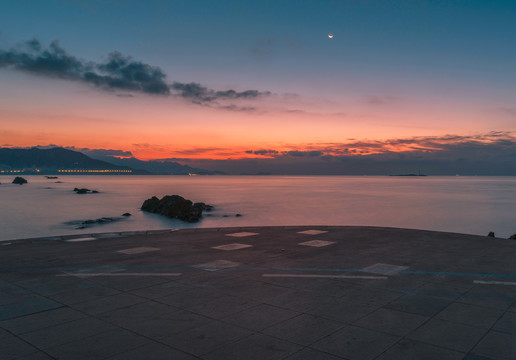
243 86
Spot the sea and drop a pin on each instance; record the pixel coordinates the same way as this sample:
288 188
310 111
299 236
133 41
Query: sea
49 207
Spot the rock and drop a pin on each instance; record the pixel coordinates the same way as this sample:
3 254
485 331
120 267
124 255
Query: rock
491 234
19 180
58 182
238 215
101 220
51 177
175 206
84 191
512 237
126 214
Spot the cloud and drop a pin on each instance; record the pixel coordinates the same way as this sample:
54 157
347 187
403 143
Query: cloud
106 152
117 72
234 107
297 153
200 94
493 153
267 152
381 99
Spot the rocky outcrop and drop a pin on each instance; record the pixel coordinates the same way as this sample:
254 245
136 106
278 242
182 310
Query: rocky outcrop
176 207
84 191
83 224
19 180
512 237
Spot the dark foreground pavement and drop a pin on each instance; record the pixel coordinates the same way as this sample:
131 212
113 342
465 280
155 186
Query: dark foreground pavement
259 293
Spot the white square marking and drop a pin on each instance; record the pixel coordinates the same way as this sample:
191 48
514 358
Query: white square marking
312 232
138 250
234 246
381 268
242 234
81 239
217 265
317 243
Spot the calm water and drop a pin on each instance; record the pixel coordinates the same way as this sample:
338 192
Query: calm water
474 205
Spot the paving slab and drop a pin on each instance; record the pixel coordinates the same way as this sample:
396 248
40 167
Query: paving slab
206 338
304 329
41 320
311 354
496 345
13 348
254 347
407 349
370 293
392 322
155 351
356 343
472 315
448 334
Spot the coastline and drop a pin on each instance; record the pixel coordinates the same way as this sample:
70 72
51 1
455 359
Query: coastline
150 232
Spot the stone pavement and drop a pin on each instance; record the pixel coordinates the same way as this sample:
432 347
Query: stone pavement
259 293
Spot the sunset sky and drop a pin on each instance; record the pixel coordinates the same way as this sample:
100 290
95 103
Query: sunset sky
209 83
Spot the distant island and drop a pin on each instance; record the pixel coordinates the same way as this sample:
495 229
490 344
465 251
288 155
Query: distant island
409 175
60 161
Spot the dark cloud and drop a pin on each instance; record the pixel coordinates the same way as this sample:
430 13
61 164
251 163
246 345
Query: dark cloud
263 152
200 94
234 107
297 153
121 72
117 72
53 61
484 154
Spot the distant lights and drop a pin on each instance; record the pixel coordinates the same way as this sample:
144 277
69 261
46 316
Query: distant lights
95 171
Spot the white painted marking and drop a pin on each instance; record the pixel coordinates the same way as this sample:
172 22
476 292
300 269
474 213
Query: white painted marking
242 234
138 250
118 274
326 276
81 239
217 265
312 232
494 282
234 246
317 243
388 269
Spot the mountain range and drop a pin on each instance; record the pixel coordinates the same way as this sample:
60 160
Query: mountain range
54 159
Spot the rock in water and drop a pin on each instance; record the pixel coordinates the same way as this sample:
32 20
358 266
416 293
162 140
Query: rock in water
19 180
512 237
491 234
175 206
85 191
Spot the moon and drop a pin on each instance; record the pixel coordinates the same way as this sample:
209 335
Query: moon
330 35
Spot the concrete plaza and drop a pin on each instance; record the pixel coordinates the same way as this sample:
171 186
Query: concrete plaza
259 293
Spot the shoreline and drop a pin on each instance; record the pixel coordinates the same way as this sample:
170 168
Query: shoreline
118 234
